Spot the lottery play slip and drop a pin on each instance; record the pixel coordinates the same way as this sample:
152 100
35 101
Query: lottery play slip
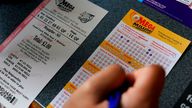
40 46
135 42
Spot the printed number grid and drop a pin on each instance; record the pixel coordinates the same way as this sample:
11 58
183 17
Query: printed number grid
141 54
124 65
102 60
80 77
60 99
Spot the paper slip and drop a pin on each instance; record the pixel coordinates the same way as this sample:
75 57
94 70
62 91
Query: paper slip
135 42
40 46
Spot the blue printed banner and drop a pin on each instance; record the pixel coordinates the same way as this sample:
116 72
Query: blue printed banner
181 10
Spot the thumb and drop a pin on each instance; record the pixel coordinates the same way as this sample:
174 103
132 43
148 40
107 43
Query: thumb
147 86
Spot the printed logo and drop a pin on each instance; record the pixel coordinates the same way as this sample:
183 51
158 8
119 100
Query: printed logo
142 24
86 17
64 5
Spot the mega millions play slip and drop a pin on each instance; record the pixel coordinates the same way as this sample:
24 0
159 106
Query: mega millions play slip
135 42
40 46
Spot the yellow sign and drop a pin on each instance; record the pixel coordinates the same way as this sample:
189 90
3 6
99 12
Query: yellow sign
143 24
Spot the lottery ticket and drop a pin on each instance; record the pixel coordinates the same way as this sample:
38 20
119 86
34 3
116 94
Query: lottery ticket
135 42
40 46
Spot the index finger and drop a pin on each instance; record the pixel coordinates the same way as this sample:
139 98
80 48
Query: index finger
98 86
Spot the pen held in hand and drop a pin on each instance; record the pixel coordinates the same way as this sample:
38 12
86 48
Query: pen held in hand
115 96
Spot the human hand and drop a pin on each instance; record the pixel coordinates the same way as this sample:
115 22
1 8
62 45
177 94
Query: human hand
144 92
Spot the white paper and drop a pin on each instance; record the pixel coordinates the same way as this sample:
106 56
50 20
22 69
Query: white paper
131 48
40 46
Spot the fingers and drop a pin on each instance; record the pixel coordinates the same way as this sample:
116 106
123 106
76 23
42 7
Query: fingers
150 79
108 79
148 84
93 91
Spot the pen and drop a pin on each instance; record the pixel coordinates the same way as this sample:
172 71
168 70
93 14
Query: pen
115 96
114 99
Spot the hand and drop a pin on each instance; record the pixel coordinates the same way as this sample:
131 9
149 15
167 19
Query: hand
147 84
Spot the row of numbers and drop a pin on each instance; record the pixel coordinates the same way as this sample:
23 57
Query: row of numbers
70 34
